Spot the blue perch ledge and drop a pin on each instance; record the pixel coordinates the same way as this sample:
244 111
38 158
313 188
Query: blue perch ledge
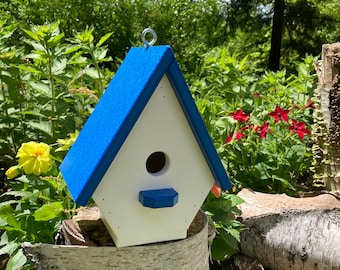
158 198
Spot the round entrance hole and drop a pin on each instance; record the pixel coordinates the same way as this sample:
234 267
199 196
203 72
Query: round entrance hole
156 162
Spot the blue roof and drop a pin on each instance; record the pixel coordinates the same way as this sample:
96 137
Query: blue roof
116 113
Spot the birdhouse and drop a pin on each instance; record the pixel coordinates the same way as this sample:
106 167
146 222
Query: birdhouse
144 155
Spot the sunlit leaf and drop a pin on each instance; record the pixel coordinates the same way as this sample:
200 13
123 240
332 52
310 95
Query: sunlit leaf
103 39
55 40
92 72
29 68
32 35
49 211
16 261
9 248
41 87
59 66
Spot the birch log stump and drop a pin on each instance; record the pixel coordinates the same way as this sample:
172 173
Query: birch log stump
326 129
85 234
291 233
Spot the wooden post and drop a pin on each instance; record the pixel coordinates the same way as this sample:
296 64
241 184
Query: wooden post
326 147
190 253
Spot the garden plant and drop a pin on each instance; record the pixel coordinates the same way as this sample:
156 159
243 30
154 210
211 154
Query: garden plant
47 95
260 124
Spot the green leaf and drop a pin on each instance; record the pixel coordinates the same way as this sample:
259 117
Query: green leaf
100 53
4 239
17 261
43 126
32 35
77 59
15 193
59 66
6 209
234 233
7 79
103 39
92 72
72 49
29 68
3 222
25 178
55 40
14 224
243 62
32 197
40 87
37 46
235 200
9 248
86 36
223 247
49 211
5 203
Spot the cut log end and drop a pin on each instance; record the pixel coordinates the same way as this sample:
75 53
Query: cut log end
291 233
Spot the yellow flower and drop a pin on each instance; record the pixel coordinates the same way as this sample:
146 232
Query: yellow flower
34 157
67 143
13 172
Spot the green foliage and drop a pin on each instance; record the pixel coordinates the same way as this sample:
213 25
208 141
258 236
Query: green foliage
48 89
276 160
32 212
222 211
191 27
64 77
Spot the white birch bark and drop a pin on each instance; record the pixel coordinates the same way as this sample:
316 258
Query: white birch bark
291 233
187 254
328 93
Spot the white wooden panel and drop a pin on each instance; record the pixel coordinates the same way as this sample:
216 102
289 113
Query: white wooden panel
162 126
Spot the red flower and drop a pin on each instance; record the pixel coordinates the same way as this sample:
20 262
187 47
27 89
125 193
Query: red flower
240 116
310 104
299 128
263 130
279 114
235 137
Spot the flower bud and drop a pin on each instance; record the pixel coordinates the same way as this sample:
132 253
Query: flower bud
13 172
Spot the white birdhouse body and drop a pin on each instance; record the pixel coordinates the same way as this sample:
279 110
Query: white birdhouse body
161 128
144 154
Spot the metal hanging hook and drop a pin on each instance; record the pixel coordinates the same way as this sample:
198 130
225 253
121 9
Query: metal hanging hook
154 37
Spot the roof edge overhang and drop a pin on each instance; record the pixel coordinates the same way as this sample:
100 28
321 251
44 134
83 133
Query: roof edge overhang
197 126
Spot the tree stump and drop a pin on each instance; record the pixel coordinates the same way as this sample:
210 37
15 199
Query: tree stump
326 129
87 232
291 233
